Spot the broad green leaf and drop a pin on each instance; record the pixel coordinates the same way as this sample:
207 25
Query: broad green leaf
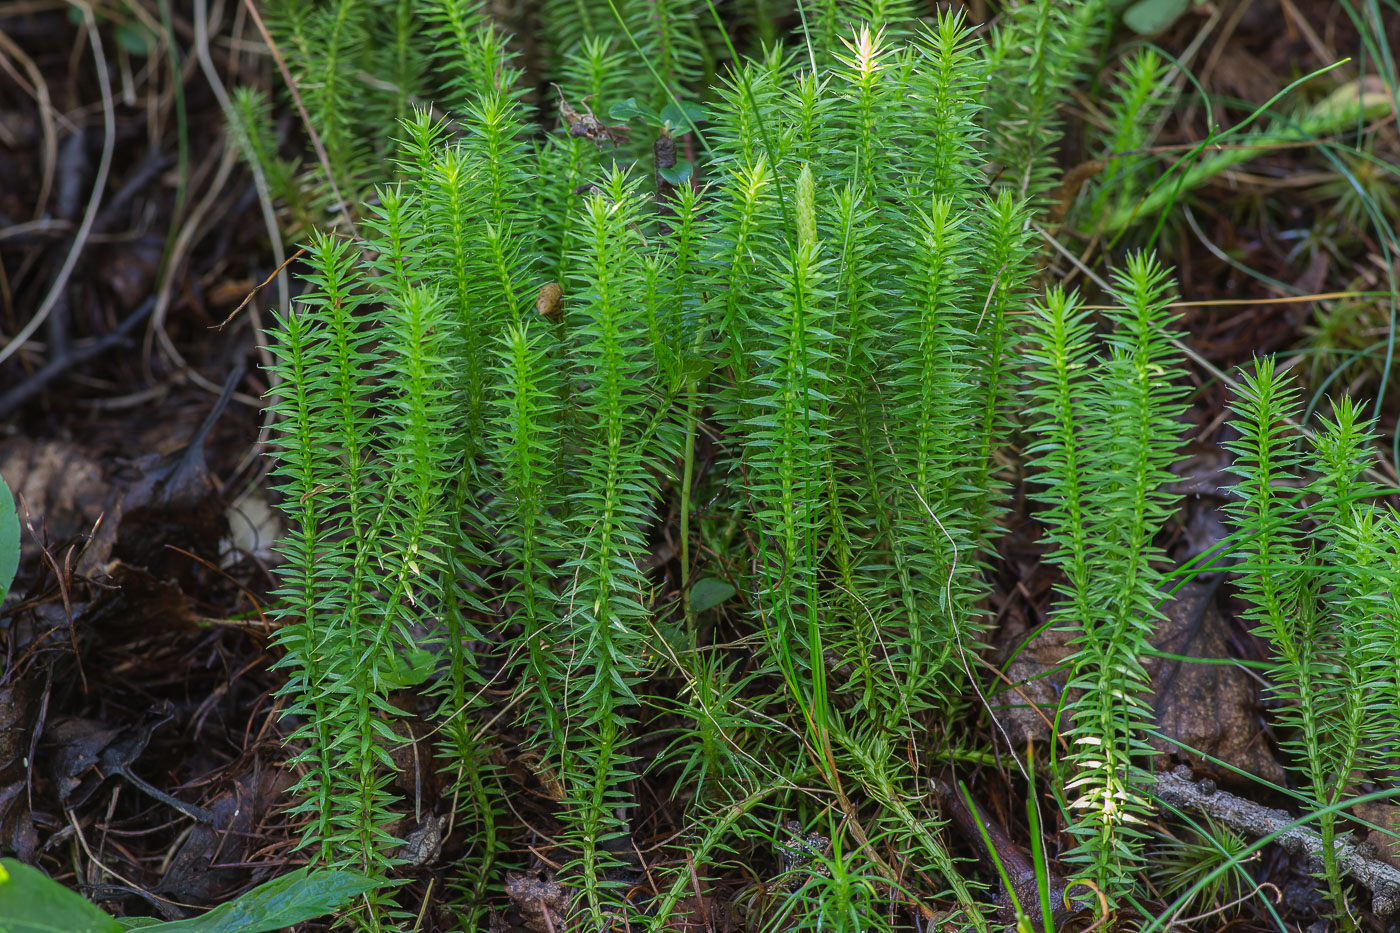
294 897
134 40
9 539
32 902
1148 17
624 111
675 117
708 593
677 174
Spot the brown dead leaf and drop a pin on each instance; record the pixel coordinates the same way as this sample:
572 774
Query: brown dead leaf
417 774
129 270
1035 688
1386 814
137 605
160 500
543 902
1208 707
202 869
19 708
82 753
57 485
174 502
1244 76
17 831
584 125
1063 196
18 700
549 303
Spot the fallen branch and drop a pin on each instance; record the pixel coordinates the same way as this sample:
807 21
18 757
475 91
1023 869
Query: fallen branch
1176 789
74 356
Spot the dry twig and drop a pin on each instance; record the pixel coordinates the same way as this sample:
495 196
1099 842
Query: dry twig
1176 789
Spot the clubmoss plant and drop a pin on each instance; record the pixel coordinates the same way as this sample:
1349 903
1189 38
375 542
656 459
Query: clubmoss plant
844 319
1324 600
1109 430
1035 58
1140 96
532 399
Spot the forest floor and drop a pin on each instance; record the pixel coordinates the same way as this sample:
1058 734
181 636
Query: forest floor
138 672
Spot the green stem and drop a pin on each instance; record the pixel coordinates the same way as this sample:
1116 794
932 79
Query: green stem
692 422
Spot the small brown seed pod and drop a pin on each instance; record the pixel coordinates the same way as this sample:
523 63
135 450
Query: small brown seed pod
550 302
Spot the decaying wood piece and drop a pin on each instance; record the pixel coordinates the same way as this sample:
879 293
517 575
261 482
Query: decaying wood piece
1175 788
1001 856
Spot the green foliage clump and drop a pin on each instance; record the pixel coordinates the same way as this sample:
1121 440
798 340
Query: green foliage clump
1319 561
1139 99
1110 429
1036 56
31 902
837 298
495 397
